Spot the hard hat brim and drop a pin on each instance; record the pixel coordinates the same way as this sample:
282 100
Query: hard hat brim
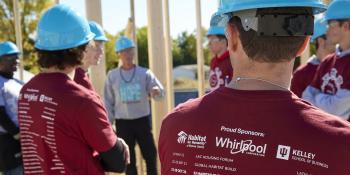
86 40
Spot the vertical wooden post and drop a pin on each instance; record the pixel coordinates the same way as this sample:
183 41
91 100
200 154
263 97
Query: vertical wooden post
200 54
18 31
168 57
134 37
156 59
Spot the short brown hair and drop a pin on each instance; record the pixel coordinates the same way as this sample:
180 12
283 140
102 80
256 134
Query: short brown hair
61 58
270 48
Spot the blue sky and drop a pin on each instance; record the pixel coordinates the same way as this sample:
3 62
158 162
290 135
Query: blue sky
115 13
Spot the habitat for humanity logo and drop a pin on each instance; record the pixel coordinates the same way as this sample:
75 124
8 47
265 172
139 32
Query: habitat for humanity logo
192 141
283 152
182 137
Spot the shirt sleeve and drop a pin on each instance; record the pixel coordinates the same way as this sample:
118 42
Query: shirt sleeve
5 120
109 97
152 81
95 128
337 104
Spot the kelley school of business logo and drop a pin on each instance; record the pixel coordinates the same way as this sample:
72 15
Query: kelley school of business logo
182 137
283 152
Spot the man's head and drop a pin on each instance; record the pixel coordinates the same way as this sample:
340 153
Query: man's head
62 38
268 30
324 45
125 49
95 53
8 57
338 18
217 42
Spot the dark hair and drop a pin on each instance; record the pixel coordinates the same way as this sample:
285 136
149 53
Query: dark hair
270 48
221 37
61 59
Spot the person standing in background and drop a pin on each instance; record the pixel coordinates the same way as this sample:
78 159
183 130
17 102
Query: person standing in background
63 124
304 75
220 66
10 148
127 93
93 56
330 89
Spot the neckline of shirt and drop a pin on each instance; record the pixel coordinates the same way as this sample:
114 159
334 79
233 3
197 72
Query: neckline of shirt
257 94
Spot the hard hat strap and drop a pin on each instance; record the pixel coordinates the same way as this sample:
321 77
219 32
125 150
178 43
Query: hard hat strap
276 24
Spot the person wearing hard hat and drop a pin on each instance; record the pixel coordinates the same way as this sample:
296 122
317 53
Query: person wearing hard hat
304 75
256 125
127 91
220 66
63 124
330 89
92 57
10 148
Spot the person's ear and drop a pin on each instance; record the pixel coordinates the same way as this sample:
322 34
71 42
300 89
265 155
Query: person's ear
303 47
232 36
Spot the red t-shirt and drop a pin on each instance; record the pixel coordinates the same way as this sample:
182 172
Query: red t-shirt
220 71
83 79
253 132
302 78
61 125
333 74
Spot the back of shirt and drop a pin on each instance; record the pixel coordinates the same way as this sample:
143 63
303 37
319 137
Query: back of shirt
253 132
62 124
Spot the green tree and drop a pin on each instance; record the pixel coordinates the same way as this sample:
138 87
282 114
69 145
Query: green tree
185 49
30 12
142 46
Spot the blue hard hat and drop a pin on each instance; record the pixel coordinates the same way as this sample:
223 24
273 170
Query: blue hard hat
8 48
98 31
227 6
61 27
320 27
338 9
123 43
214 29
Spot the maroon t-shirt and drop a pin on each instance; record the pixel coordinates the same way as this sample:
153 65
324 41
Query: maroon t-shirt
83 79
333 74
220 71
253 132
302 78
62 124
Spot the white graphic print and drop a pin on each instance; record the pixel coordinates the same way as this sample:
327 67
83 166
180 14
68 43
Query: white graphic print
214 78
331 83
283 152
182 137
